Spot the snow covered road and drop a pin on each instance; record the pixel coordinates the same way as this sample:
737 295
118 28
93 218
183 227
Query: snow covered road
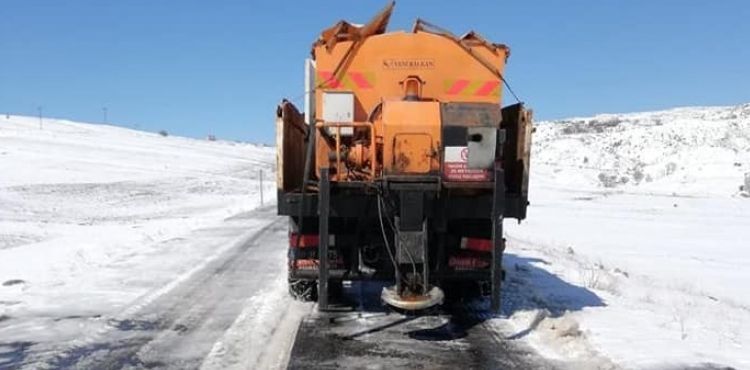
179 326
98 223
452 338
125 249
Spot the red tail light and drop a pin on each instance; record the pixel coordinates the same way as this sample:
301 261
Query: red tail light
476 244
303 241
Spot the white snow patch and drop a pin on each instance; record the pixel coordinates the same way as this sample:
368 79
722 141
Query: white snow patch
262 336
635 246
96 217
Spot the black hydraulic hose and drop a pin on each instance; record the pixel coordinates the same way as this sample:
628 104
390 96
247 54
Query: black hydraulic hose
385 237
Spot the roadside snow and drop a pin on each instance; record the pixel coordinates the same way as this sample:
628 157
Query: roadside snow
644 212
263 334
92 217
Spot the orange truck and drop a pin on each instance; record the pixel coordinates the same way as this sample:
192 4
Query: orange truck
403 165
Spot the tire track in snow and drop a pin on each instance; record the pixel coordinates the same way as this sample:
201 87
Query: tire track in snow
176 326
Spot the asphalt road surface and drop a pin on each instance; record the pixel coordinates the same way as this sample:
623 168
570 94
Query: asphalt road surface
180 328
374 337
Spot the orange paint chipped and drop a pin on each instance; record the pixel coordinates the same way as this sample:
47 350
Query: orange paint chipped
395 122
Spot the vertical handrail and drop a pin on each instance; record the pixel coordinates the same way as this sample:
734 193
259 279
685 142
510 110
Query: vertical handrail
324 199
338 153
373 149
498 244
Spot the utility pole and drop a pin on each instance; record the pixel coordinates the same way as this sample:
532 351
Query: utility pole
104 109
40 116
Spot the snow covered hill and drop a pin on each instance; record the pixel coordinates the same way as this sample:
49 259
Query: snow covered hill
640 237
684 150
94 216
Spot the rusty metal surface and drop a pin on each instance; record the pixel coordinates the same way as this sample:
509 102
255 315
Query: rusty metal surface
470 114
290 146
517 122
412 302
346 31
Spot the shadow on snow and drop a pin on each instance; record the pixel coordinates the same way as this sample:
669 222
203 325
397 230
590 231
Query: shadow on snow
526 287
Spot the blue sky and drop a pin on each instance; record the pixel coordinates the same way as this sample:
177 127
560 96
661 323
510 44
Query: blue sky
199 67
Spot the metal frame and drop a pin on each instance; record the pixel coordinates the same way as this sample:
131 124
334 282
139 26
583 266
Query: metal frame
323 213
343 204
498 207
425 258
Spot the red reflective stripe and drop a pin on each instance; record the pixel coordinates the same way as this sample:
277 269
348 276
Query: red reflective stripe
360 80
329 80
467 263
480 245
487 88
303 241
457 87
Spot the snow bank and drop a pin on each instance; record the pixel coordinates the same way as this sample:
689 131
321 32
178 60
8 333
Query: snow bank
84 208
642 212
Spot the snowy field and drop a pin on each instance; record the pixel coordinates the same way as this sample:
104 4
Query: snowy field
117 245
97 221
640 237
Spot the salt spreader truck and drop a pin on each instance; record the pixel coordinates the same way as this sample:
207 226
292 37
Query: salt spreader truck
402 166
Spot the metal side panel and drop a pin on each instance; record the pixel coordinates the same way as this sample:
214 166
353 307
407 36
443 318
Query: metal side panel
469 133
290 146
498 243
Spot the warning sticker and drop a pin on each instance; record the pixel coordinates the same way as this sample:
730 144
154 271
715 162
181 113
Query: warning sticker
455 166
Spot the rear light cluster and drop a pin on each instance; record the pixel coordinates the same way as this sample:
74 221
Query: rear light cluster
308 240
303 252
306 264
312 264
303 241
474 255
476 244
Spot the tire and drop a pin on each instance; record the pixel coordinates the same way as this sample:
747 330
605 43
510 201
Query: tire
303 290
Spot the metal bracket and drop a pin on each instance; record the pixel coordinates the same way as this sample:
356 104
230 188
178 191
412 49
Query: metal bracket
498 243
324 203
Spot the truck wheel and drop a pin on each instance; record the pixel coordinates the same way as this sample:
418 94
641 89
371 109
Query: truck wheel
303 290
